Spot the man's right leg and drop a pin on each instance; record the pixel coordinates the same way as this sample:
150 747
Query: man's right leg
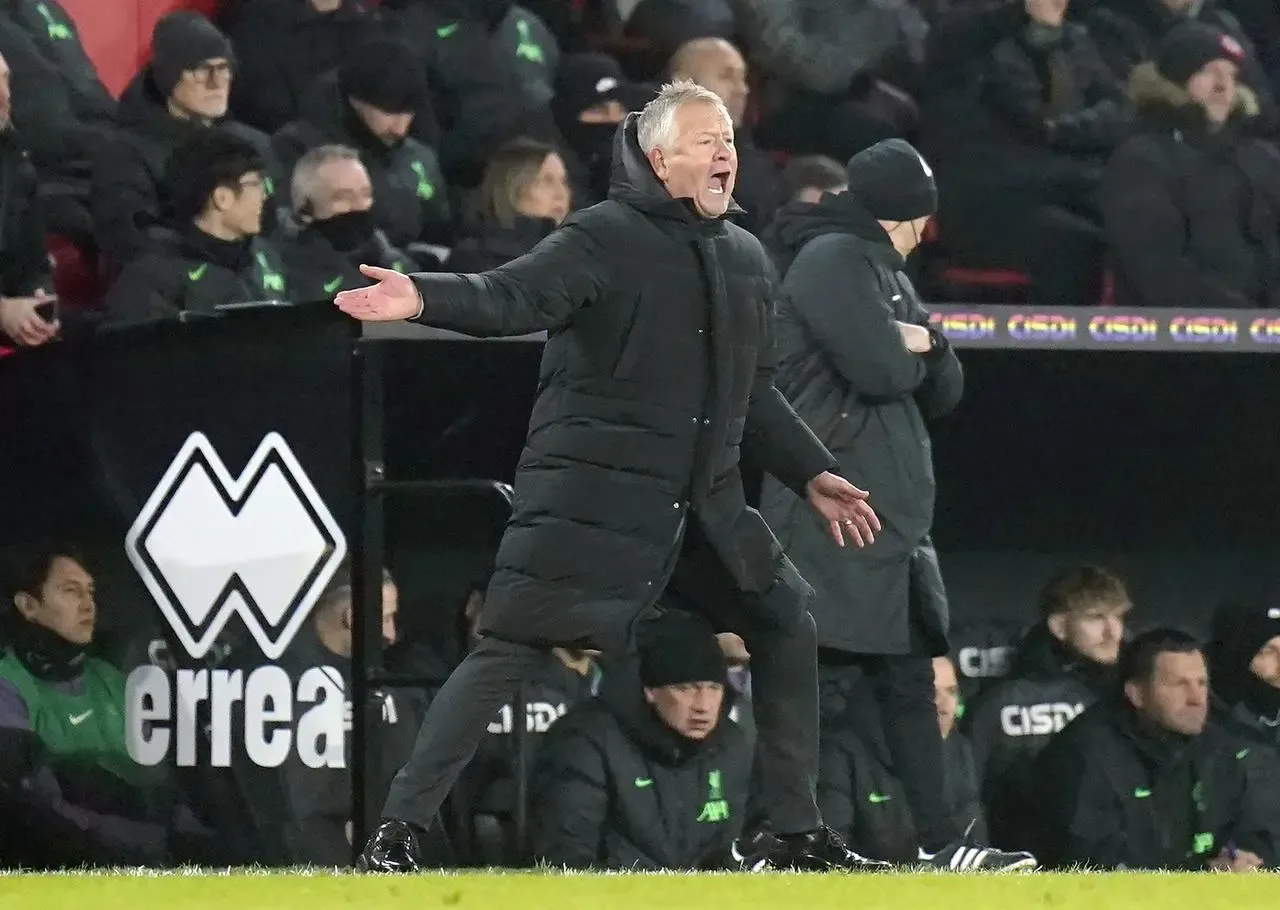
457 719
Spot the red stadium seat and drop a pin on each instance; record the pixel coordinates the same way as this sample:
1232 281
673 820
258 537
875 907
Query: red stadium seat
77 275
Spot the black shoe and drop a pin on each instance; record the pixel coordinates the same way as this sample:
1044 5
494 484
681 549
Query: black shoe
821 850
393 847
966 856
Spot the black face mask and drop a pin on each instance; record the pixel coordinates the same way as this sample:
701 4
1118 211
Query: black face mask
347 232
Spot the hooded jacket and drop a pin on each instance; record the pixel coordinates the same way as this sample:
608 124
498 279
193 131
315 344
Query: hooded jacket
659 330
1127 33
193 273
1112 792
1192 217
1010 723
127 198
282 47
616 788
844 367
410 199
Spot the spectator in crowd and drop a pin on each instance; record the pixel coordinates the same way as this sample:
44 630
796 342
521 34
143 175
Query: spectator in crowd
831 70
491 66
1064 664
1260 20
861 796
1245 662
59 99
24 264
658 28
716 64
1129 32
862 367
61 108
801 185
592 98
183 90
523 196
647 780
1138 782
1191 202
318 799
1020 151
216 180
333 205
69 791
284 46
369 105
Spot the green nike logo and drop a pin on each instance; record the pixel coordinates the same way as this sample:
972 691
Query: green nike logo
444 31
331 286
198 272
1241 754
1140 793
644 782
876 798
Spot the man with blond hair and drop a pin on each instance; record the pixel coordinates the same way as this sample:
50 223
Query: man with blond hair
628 499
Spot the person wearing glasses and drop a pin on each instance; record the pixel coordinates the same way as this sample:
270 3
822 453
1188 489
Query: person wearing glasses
184 89
215 256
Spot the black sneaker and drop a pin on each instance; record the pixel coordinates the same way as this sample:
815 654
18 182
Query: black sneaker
392 848
821 850
966 856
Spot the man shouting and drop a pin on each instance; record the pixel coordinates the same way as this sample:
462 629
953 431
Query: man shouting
628 497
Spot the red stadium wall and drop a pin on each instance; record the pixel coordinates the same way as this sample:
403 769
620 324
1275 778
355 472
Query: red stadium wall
117 33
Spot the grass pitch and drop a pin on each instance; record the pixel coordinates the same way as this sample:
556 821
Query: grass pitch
325 890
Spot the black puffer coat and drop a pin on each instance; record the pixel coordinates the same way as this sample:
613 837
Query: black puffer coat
845 368
659 365
1192 217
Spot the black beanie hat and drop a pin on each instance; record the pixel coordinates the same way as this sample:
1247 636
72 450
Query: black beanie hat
181 41
1240 629
385 73
892 181
680 647
1187 47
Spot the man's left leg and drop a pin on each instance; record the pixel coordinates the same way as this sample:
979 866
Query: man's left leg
784 687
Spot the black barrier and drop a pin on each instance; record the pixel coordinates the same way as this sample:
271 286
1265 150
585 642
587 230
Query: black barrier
1160 465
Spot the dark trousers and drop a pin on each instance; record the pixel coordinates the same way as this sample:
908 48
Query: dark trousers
785 700
902 686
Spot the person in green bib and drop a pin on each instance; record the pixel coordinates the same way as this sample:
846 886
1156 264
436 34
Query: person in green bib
70 793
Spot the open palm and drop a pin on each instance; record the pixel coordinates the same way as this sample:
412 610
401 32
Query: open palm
393 297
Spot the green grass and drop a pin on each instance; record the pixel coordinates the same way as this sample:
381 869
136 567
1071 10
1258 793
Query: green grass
328 890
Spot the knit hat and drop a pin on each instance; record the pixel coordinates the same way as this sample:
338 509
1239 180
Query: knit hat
1240 629
385 73
181 41
892 181
680 647
585 80
1188 47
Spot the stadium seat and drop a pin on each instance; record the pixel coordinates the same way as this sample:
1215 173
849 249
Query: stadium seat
77 275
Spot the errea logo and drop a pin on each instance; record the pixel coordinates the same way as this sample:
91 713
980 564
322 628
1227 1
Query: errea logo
210 546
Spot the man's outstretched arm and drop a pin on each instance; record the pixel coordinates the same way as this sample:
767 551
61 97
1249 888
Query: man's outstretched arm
539 291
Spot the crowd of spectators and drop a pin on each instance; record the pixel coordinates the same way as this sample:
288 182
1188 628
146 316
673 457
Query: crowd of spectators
1094 150
1100 746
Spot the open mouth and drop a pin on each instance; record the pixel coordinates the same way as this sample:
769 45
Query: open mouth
719 183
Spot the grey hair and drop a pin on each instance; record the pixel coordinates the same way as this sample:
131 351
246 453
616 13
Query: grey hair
657 125
304 183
